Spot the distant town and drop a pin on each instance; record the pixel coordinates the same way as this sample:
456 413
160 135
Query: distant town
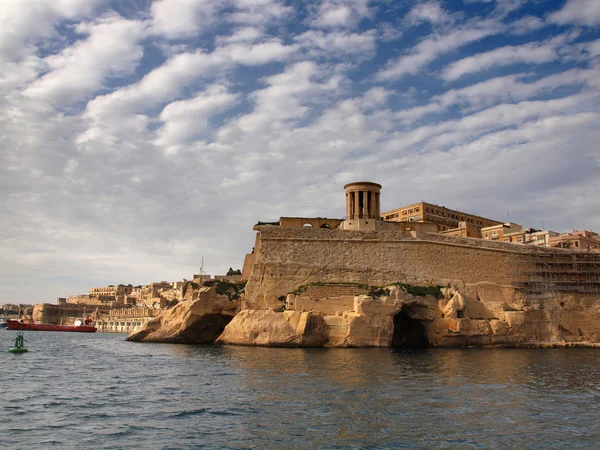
125 308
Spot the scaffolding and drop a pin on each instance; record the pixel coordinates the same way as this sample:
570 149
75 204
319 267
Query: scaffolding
546 273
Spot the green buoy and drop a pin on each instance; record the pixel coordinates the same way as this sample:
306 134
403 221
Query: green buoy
19 342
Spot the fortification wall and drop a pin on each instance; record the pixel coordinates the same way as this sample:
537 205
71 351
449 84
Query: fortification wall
66 314
289 258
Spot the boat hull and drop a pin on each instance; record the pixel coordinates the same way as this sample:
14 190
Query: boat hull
16 325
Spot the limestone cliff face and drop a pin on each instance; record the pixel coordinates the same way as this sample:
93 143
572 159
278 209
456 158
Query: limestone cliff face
491 318
369 323
199 318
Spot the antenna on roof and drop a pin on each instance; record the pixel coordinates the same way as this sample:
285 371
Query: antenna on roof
202 266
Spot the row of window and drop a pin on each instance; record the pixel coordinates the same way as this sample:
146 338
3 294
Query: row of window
123 324
456 217
407 212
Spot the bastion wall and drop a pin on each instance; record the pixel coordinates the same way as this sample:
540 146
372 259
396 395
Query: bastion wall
289 258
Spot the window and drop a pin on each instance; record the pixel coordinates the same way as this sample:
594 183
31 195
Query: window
487 234
417 217
576 244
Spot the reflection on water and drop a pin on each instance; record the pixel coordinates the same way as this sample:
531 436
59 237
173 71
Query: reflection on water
100 391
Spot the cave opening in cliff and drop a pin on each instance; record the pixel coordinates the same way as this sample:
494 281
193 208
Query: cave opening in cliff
408 332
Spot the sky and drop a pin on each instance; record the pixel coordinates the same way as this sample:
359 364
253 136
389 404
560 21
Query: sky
140 138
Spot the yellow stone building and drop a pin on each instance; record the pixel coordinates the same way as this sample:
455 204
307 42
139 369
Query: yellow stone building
446 219
504 232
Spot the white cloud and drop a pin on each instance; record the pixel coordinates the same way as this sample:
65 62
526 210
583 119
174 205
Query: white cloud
183 18
22 23
580 12
430 11
341 13
113 114
375 97
338 42
532 53
112 49
260 12
284 99
242 35
185 120
526 25
431 48
456 132
258 53
593 48
502 7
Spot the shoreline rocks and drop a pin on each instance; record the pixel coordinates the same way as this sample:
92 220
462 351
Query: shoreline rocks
198 319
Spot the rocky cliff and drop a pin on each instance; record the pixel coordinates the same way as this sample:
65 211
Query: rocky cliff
199 318
492 318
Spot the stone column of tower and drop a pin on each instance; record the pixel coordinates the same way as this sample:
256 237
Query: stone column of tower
362 206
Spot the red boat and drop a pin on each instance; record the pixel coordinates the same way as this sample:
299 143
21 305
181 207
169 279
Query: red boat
79 326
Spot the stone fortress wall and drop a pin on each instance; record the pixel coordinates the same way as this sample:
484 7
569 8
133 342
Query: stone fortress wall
290 257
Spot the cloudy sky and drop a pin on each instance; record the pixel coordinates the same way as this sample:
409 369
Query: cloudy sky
137 137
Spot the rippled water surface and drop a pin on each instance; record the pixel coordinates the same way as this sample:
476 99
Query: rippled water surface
98 391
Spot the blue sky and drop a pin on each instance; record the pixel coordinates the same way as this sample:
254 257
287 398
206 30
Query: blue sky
138 137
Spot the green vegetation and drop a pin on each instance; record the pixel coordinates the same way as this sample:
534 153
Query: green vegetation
281 298
171 303
378 291
231 290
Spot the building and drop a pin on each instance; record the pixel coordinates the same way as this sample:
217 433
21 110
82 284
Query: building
464 229
124 320
86 299
445 218
155 295
119 291
577 240
498 232
540 238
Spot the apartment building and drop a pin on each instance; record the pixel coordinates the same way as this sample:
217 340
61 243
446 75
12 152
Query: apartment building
504 232
577 240
445 218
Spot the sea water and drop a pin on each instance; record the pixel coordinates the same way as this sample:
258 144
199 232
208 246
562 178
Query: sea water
74 391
